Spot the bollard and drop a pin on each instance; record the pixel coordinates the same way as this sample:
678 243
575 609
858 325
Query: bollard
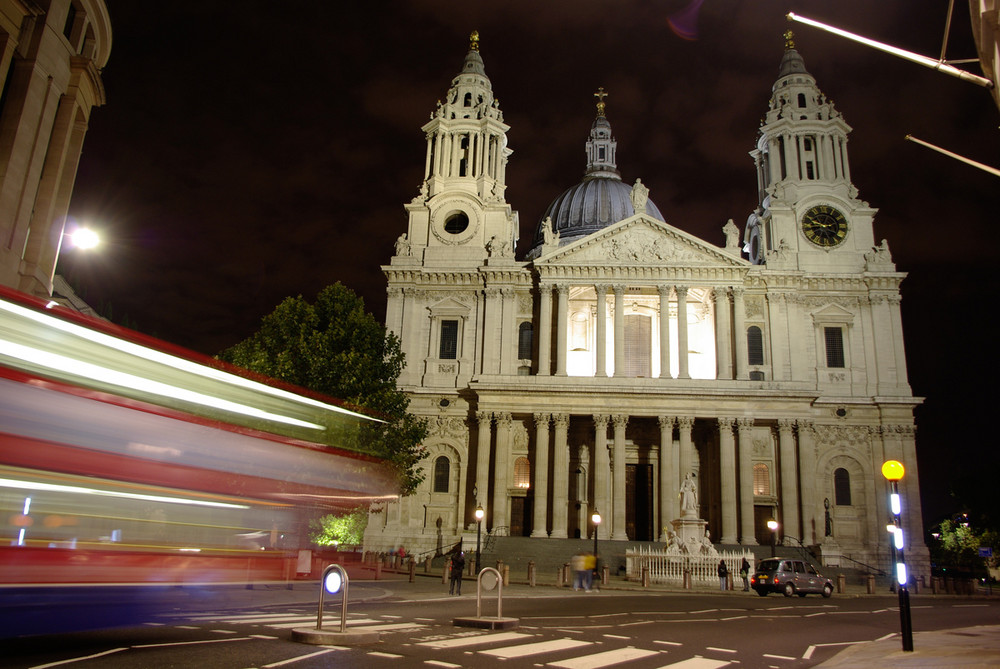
559 577
871 584
506 574
729 581
446 572
604 574
687 579
427 565
531 573
841 583
413 569
378 570
645 576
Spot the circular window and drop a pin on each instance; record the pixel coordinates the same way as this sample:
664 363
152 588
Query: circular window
456 224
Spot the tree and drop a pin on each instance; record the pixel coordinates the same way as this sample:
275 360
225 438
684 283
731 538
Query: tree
344 530
336 348
956 546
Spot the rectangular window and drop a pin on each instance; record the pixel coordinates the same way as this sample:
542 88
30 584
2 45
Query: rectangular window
834 346
449 340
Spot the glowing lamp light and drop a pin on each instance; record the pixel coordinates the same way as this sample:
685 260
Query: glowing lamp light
898 535
894 504
84 238
893 470
333 582
479 513
596 518
901 573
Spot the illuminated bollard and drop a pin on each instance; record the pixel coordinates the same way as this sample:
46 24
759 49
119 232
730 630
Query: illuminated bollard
488 579
335 581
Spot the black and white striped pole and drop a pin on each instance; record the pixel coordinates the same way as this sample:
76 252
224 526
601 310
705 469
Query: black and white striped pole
893 471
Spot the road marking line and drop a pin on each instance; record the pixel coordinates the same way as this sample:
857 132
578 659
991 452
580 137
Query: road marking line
299 658
186 627
535 648
779 657
669 643
438 663
605 659
391 656
616 636
705 611
966 606
697 663
262 636
475 640
720 650
734 618
225 631
79 659
190 643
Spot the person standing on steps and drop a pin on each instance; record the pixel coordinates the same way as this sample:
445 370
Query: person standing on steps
723 574
745 573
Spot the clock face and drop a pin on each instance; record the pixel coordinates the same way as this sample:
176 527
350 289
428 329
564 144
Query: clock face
824 226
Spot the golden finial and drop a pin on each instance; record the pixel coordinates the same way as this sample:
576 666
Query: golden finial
474 41
600 95
789 41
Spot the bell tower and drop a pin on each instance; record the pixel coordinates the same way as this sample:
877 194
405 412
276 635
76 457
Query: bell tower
808 215
460 217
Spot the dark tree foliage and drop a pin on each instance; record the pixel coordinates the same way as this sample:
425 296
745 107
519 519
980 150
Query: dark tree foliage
336 348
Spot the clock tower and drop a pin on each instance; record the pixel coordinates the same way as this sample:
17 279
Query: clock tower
809 216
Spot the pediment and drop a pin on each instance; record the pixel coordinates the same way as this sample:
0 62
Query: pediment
640 240
449 307
832 313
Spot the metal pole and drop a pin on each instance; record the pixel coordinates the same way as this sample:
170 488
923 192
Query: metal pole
905 623
479 533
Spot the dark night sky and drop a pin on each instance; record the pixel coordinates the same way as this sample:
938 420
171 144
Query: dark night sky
251 151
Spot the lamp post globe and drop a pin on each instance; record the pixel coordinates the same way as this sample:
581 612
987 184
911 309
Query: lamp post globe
773 526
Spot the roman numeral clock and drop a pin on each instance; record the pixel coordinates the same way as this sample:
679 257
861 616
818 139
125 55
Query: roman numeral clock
824 226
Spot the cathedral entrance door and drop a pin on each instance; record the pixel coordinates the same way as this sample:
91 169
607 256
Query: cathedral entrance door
520 516
639 502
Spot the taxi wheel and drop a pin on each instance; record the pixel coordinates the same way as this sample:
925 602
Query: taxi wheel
789 590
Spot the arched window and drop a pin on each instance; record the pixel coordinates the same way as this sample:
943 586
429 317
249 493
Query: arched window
442 472
525 332
761 479
755 346
842 487
522 473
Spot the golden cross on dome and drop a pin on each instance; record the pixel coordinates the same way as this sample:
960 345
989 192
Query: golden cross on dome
789 41
474 41
600 95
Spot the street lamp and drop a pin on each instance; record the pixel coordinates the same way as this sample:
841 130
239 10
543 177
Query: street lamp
773 526
596 519
479 532
893 471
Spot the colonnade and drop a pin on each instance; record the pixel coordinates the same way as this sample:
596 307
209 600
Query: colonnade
608 493
728 303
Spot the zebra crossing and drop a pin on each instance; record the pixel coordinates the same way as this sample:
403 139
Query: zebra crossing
516 645
286 621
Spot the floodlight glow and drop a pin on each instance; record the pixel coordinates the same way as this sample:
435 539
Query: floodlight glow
894 504
900 573
333 582
898 535
84 238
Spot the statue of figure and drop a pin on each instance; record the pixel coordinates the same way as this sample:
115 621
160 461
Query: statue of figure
689 498
491 246
402 245
639 196
706 544
549 236
879 254
732 235
673 542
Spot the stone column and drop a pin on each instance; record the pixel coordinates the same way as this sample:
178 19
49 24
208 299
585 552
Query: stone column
723 336
668 509
541 475
545 330
602 330
807 463
501 511
560 477
618 478
664 292
485 419
491 325
727 466
780 369
789 480
684 426
602 471
619 330
745 427
740 333
562 314
682 333
508 332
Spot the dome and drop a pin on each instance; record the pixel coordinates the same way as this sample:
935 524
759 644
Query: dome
600 200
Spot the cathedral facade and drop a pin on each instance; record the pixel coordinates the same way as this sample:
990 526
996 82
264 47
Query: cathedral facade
622 356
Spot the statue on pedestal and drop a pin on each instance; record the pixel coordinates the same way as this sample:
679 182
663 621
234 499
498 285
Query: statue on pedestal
689 498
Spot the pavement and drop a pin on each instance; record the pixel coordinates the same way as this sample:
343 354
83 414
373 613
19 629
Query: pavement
963 647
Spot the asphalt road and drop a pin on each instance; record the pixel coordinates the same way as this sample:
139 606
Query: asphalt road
557 628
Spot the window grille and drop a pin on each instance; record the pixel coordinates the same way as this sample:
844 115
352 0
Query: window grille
755 345
842 487
834 346
449 340
522 473
761 479
442 471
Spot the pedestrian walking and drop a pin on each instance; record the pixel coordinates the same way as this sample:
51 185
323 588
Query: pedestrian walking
723 574
590 568
457 567
745 573
578 563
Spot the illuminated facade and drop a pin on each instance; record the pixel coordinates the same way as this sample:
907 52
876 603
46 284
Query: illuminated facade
622 354
50 63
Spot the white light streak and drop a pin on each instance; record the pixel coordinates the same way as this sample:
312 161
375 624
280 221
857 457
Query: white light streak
55 487
986 168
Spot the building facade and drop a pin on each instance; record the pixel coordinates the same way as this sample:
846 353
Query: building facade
623 355
51 55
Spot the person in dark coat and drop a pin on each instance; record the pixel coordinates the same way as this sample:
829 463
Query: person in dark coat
457 567
745 573
723 574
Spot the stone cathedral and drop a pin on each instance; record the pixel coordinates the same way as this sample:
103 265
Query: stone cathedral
623 355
